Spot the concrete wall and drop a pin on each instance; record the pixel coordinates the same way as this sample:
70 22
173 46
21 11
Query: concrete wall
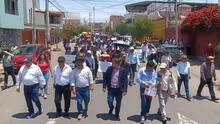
11 21
40 19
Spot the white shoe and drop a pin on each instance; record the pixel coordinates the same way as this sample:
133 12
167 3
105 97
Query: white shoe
45 96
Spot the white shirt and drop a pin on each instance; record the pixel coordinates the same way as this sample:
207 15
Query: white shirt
144 48
183 68
30 76
82 77
62 77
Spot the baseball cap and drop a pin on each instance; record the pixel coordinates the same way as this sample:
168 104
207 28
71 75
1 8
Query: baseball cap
210 58
28 59
61 59
131 48
163 65
89 52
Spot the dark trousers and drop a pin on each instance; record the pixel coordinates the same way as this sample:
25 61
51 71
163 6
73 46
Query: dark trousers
32 93
145 103
209 82
115 93
9 71
82 94
65 91
132 71
185 80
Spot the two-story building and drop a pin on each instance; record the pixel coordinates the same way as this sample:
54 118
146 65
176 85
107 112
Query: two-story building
55 20
11 22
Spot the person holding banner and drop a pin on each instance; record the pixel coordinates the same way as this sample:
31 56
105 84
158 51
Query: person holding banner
147 77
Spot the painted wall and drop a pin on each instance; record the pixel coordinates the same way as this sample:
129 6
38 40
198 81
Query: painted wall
12 21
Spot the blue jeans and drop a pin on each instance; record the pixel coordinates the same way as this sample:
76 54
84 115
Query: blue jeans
185 80
32 93
46 77
145 103
115 93
82 94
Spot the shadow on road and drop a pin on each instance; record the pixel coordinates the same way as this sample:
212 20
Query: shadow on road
20 115
136 118
3 88
99 81
52 115
200 98
106 116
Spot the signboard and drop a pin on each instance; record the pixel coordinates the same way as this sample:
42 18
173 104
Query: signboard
70 59
103 66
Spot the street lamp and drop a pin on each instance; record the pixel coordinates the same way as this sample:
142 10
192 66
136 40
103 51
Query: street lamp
176 20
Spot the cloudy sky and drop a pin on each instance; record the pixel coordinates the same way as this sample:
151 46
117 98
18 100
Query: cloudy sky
103 8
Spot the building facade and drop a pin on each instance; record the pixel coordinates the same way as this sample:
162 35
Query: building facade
11 22
115 20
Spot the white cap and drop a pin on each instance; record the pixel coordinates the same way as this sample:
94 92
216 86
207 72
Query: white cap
131 48
89 52
163 65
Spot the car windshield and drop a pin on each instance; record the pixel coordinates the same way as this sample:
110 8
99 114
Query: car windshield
24 50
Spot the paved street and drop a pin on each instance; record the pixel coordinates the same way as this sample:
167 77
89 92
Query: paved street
198 111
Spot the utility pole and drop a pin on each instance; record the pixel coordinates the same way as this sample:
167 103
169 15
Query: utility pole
90 20
176 20
34 24
47 22
93 17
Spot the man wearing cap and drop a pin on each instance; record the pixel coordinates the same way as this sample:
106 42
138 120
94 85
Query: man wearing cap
183 74
83 82
32 78
134 60
62 84
166 86
147 78
207 72
76 51
90 61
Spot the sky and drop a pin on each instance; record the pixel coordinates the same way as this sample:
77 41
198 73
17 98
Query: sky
103 8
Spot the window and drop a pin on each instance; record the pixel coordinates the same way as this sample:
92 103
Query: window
11 7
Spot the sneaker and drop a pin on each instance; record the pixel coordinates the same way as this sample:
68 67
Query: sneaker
198 95
45 96
214 100
142 120
80 116
179 95
117 117
58 114
30 115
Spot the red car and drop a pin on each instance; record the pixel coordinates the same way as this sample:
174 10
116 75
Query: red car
33 50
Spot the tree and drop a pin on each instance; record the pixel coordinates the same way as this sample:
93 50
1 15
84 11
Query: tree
123 29
203 19
142 28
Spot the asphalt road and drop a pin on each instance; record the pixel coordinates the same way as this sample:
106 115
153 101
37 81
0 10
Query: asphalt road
198 111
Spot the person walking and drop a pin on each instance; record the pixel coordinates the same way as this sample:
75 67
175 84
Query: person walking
83 82
134 60
166 58
116 82
44 65
8 66
62 83
207 72
166 86
144 48
90 62
183 74
32 78
147 77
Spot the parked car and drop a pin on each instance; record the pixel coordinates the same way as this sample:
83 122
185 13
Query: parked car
33 50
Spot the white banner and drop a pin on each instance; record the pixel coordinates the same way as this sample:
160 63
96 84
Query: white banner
103 66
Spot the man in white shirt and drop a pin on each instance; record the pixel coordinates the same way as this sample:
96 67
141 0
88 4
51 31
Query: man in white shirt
62 82
183 74
83 82
144 48
166 58
33 79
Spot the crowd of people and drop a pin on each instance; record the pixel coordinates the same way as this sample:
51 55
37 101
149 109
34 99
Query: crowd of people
156 78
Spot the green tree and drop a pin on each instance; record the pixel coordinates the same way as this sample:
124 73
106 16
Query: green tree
142 28
123 29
